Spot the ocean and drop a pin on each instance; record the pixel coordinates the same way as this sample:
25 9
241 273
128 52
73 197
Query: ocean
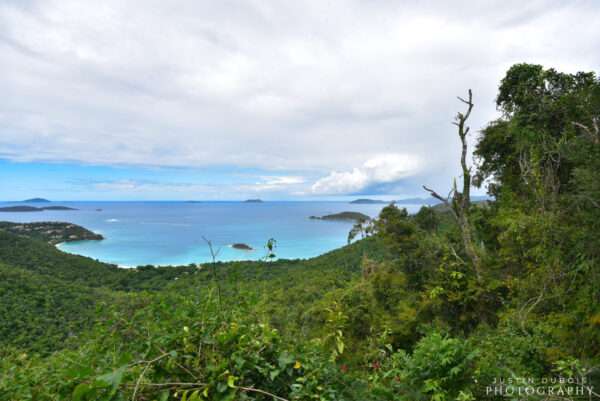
170 233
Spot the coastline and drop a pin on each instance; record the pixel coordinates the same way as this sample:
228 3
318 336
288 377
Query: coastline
170 233
121 266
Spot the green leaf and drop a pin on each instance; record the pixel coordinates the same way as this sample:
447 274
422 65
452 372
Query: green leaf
112 379
80 391
221 387
285 359
79 372
340 346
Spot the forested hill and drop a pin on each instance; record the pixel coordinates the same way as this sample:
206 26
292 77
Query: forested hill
436 306
51 232
68 288
36 255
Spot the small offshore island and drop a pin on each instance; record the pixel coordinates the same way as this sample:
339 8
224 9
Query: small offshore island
33 208
343 216
365 201
36 200
407 201
51 232
242 246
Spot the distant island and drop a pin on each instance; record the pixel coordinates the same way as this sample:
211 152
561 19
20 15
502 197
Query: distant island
36 200
33 208
432 201
51 232
253 201
365 201
58 208
343 216
407 201
242 246
417 201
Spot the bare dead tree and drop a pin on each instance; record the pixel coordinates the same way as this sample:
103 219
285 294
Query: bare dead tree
459 203
214 255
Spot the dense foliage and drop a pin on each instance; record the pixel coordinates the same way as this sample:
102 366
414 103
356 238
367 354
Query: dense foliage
398 314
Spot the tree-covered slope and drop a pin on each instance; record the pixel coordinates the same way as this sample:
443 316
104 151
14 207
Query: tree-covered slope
441 305
42 314
37 256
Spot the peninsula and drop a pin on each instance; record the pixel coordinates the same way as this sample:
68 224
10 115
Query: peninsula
51 232
33 208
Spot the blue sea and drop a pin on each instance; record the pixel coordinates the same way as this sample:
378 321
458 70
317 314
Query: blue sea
170 233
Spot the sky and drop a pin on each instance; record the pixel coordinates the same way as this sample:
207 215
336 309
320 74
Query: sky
179 100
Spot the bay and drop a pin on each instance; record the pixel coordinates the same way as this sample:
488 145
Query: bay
170 233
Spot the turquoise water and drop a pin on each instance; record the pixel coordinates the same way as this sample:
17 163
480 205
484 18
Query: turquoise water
170 233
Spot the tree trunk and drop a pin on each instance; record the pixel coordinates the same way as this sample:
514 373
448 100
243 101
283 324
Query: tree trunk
461 201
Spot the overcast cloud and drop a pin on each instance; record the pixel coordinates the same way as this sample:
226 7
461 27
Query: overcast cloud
328 97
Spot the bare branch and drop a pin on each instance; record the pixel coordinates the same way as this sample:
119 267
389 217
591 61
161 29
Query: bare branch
214 268
139 380
593 134
437 196
171 384
181 366
444 200
213 254
256 390
470 104
456 255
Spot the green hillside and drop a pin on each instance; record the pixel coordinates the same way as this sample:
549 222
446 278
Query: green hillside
435 306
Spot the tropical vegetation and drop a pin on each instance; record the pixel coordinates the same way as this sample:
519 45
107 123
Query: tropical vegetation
440 305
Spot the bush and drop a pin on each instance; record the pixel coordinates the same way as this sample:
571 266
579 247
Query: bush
440 368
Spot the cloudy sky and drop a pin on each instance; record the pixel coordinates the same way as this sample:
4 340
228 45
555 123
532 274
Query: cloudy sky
279 100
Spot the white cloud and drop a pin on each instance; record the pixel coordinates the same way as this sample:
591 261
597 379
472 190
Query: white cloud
382 169
341 182
151 187
178 190
273 183
283 180
307 86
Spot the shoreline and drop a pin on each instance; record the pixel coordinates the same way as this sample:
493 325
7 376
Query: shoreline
58 246
143 235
